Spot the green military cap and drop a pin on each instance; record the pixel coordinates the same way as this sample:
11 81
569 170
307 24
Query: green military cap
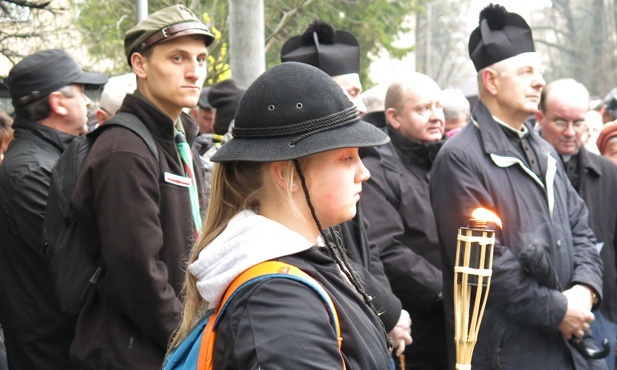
163 25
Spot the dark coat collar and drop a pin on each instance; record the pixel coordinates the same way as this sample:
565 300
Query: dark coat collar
160 125
496 142
414 151
587 162
57 138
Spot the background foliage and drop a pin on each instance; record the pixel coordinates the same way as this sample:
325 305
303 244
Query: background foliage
577 38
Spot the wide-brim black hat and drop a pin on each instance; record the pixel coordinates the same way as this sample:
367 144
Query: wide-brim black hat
294 110
499 36
44 72
333 51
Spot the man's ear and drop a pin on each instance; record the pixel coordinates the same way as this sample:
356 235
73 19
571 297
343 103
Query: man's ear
101 116
393 118
56 103
139 64
539 117
490 80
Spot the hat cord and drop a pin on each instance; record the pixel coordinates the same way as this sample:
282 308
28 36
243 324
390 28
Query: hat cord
306 128
336 249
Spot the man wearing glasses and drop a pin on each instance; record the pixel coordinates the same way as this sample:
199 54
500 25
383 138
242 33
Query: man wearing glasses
561 118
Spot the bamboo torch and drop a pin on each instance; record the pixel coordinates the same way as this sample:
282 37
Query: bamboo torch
472 279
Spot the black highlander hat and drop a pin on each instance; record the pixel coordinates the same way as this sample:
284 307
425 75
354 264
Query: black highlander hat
294 110
499 36
334 52
44 72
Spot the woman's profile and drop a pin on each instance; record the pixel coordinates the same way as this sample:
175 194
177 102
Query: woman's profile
290 172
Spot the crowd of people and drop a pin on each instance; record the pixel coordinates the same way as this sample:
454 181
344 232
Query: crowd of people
296 169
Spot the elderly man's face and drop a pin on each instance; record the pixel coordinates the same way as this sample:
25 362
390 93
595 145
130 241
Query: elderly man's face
205 119
421 116
350 83
519 83
563 123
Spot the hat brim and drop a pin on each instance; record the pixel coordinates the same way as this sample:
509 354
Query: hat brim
357 135
90 78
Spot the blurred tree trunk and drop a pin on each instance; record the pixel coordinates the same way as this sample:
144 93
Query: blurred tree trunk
578 38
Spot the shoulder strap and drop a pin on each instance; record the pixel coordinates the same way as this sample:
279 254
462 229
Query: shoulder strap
262 271
134 124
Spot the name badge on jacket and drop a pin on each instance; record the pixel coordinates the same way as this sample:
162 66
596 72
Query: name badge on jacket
177 180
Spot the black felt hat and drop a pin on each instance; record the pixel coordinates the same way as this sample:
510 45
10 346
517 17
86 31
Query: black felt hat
294 110
499 36
203 99
334 52
44 72
225 97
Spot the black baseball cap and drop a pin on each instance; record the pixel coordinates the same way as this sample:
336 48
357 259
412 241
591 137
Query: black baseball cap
44 72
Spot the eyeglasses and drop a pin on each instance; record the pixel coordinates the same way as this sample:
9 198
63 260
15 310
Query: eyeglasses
563 124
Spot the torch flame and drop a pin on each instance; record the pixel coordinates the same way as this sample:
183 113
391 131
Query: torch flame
486 215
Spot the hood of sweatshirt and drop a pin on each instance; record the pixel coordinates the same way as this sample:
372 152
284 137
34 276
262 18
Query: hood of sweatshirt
247 240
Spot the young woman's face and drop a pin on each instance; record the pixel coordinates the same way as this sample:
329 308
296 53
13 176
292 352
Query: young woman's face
334 179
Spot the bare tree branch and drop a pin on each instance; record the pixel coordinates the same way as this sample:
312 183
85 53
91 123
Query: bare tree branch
286 17
30 4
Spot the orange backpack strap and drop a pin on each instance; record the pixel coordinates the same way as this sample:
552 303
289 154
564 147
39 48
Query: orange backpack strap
260 272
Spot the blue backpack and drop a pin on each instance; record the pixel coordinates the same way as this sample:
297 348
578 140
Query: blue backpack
195 351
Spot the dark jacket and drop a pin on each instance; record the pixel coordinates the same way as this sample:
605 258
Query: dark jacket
478 167
284 316
598 178
38 335
142 226
401 222
364 257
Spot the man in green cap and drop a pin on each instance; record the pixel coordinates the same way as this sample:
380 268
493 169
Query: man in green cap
141 214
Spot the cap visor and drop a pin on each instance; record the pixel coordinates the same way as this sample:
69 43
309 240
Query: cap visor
88 78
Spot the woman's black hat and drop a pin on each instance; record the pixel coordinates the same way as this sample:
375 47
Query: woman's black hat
294 110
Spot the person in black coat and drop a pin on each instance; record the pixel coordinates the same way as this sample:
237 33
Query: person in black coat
47 92
337 53
398 210
291 171
500 163
561 119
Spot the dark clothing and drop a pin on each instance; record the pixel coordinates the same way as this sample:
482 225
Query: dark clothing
143 228
38 335
365 258
402 224
280 316
478 167
597 178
